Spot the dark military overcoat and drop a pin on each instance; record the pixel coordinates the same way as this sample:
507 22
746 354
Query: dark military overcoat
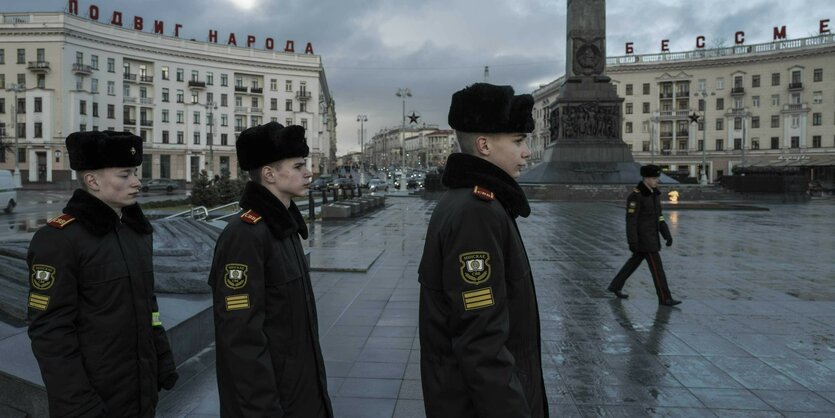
644 220
479 321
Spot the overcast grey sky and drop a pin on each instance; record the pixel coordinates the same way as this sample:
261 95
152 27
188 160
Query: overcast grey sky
370 48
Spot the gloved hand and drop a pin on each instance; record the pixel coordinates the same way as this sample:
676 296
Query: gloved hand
168 381
670 241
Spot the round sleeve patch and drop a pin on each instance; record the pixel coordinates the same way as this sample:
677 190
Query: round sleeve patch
235 277
43 276
475 266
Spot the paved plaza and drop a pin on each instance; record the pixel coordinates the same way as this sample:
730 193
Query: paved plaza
755 336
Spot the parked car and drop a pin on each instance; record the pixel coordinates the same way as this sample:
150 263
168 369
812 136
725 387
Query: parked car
342 183
8 193
319 184
376 185
160 184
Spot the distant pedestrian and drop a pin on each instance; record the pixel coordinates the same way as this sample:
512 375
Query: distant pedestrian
269 361
479 320
644 222
94 322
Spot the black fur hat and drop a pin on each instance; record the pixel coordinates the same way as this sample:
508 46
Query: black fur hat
92 150
485 108
650 170
264 144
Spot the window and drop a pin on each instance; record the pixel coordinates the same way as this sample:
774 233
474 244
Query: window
195 75
737 124
2 81
164 137
755 143
210 78
180 137
111 111
720 124
143 92
775 100
816 119
180 74
720 83
2 56
817 75
239 101
38 105
755 80
273 84
816 141
775 121
755 122
111 65
224 139
165 115
702 85
273 104
196 117
94 62
288 105
126 91
304 123
288 121
224 80
795 142
197 138
41 81
646 88
795 121
701 105
223 100
629 89
646 107
775 142
737 143
21 79
82 107
720 145
180 117
21 56
95 110
628 109
21 152
720 103
111 88
775 79
165 166
180 96
755 101
2 106
239 81
38 130
21 133
645 146
79 58
94 85
255 102
79 83
817 97
195 99
164 73
239 123
628 128
645 126
303 107
21 105
165 94
795 77
224 119
82 127
288 85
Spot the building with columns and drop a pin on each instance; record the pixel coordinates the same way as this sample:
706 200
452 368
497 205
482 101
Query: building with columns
770 104
61 72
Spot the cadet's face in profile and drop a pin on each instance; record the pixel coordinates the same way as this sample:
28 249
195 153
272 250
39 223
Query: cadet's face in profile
118 187
652 182
509 152
293 177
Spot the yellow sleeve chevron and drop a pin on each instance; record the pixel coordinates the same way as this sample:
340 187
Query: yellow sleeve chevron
38 301
155 322
236 302
476 299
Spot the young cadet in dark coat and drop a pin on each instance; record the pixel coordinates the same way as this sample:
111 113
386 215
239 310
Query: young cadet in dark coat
269 362
94 321
479 321
644 222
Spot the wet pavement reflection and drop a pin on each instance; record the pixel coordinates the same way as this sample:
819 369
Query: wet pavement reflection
755 336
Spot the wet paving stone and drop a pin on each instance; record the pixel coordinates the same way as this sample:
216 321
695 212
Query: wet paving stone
755 336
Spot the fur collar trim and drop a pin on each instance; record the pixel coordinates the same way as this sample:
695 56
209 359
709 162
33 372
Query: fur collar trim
282 221
464 170
100 219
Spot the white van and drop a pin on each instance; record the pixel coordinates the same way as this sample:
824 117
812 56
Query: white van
8 194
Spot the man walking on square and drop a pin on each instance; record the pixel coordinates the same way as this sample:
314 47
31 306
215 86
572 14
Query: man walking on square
269 362
644 222
479 321
94 322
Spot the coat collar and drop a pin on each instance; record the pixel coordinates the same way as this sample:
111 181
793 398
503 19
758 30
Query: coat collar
464 170
100 219
646 191
282 221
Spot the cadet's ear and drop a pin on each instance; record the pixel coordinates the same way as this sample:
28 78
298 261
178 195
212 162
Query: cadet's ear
482 146
267 174
91 180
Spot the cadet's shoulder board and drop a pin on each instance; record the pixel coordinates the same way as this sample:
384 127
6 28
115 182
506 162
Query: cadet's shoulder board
60 221
636 190
251 217
483 194
477 299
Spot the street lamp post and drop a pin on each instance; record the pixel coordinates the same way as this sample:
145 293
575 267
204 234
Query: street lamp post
703 179
362 119
403 93
16 88
210 108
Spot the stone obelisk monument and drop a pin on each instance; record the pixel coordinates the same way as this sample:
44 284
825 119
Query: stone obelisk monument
585 120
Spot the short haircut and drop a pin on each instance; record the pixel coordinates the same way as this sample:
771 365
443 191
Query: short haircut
466 141
81 183
255 173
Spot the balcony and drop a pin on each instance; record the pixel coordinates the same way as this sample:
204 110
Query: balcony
665 95
737 91
795 86
303 95
146 122
256 110
240 109
257 90
146 100
81 69
239 128
682 133
130 99
240 89
38 66
128 77
795 107
131 122
196 84
674 114
146 79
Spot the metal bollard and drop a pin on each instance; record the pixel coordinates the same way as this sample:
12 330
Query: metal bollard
335 195
324 197
359 191
352 192
311 206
